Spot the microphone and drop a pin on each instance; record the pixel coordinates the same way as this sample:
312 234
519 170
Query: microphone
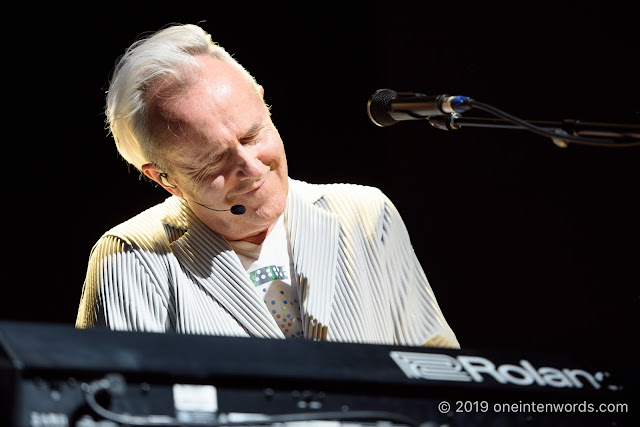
386 107
235 209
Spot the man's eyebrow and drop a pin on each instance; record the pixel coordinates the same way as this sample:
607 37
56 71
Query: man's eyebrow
255 127
207 160
199 164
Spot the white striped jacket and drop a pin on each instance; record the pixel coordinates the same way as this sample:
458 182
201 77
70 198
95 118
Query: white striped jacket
358 277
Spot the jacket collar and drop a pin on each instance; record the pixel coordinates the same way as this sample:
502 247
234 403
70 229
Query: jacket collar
313 233
216 267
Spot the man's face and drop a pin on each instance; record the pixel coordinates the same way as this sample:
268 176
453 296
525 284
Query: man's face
223 150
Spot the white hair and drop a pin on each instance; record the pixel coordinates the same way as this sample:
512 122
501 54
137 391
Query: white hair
167 54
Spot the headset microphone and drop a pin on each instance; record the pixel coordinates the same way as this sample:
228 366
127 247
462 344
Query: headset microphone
235 209
238 209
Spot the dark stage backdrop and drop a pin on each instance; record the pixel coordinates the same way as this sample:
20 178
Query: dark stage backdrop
527 246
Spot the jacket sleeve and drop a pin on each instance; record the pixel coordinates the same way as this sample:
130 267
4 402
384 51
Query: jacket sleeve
418 318
120 291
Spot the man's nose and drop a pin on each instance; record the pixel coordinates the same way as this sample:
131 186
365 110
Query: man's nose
248 164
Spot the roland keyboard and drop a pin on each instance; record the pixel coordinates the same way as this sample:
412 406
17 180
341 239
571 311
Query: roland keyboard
56 375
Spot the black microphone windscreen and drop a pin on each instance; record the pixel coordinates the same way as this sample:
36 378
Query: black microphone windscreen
238 209
379 105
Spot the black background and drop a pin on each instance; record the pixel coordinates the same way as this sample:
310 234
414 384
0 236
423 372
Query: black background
527 246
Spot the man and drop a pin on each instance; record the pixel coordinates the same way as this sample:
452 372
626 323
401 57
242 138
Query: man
240 248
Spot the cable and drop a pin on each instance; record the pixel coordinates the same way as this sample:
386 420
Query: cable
90 391
596 142
116 384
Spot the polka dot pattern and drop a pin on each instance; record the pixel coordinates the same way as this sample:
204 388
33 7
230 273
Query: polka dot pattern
267 274
280 298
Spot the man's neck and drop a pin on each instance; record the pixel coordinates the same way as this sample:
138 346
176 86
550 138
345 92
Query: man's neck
258 238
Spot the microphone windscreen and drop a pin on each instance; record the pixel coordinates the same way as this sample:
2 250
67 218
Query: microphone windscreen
238 209
379 105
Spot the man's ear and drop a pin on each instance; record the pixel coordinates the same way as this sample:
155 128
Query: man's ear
157 175
261 91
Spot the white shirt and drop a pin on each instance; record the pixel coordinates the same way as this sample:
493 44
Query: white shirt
269 267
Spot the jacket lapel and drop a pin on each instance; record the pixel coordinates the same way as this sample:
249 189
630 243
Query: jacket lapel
216 267
313 233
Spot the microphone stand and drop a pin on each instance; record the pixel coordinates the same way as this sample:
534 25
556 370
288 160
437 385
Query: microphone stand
618 133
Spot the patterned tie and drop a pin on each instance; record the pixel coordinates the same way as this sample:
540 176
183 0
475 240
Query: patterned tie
281 299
